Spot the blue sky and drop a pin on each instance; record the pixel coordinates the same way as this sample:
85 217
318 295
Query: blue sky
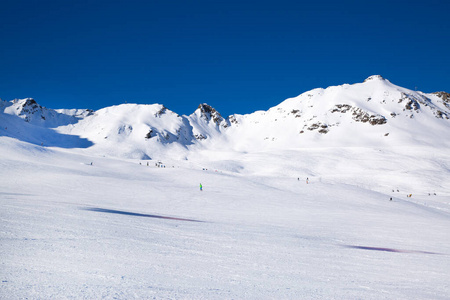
237 56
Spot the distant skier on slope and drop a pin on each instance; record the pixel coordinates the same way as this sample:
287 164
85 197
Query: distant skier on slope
307 180
201 187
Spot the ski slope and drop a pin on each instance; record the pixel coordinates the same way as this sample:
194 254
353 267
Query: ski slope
121 229
87 212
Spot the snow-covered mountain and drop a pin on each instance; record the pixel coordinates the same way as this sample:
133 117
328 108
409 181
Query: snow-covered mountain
339 193
373 113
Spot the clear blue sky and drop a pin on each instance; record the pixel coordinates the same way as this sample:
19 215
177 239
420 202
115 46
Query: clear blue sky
238 56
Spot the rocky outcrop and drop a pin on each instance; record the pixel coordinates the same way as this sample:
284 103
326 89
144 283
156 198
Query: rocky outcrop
29 110
445 98
208 113
359 115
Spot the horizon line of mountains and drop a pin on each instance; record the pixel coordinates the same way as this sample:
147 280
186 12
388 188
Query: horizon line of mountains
336 112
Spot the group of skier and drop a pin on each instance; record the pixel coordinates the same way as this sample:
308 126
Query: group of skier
307 179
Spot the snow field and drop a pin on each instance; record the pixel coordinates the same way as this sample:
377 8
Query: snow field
264 234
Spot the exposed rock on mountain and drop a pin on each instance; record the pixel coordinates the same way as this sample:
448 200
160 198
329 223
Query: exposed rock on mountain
208 114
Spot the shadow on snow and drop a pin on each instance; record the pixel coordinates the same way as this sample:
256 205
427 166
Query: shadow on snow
388 249
14 127
120 212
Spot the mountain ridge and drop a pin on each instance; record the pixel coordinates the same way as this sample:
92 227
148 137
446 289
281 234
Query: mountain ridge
372 113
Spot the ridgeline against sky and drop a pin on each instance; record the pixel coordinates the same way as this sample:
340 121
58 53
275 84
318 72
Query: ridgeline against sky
238 56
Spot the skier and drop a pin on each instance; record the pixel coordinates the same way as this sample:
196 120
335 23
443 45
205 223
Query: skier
201 187
307 180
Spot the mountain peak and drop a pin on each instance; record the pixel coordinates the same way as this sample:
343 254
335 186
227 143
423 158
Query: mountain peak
208 113
374 77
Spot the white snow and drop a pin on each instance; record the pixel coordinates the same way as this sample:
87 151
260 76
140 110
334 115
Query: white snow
119 228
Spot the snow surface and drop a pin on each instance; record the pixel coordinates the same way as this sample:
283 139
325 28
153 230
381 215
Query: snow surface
84 216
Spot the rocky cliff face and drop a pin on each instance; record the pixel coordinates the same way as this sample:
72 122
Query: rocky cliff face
209 114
